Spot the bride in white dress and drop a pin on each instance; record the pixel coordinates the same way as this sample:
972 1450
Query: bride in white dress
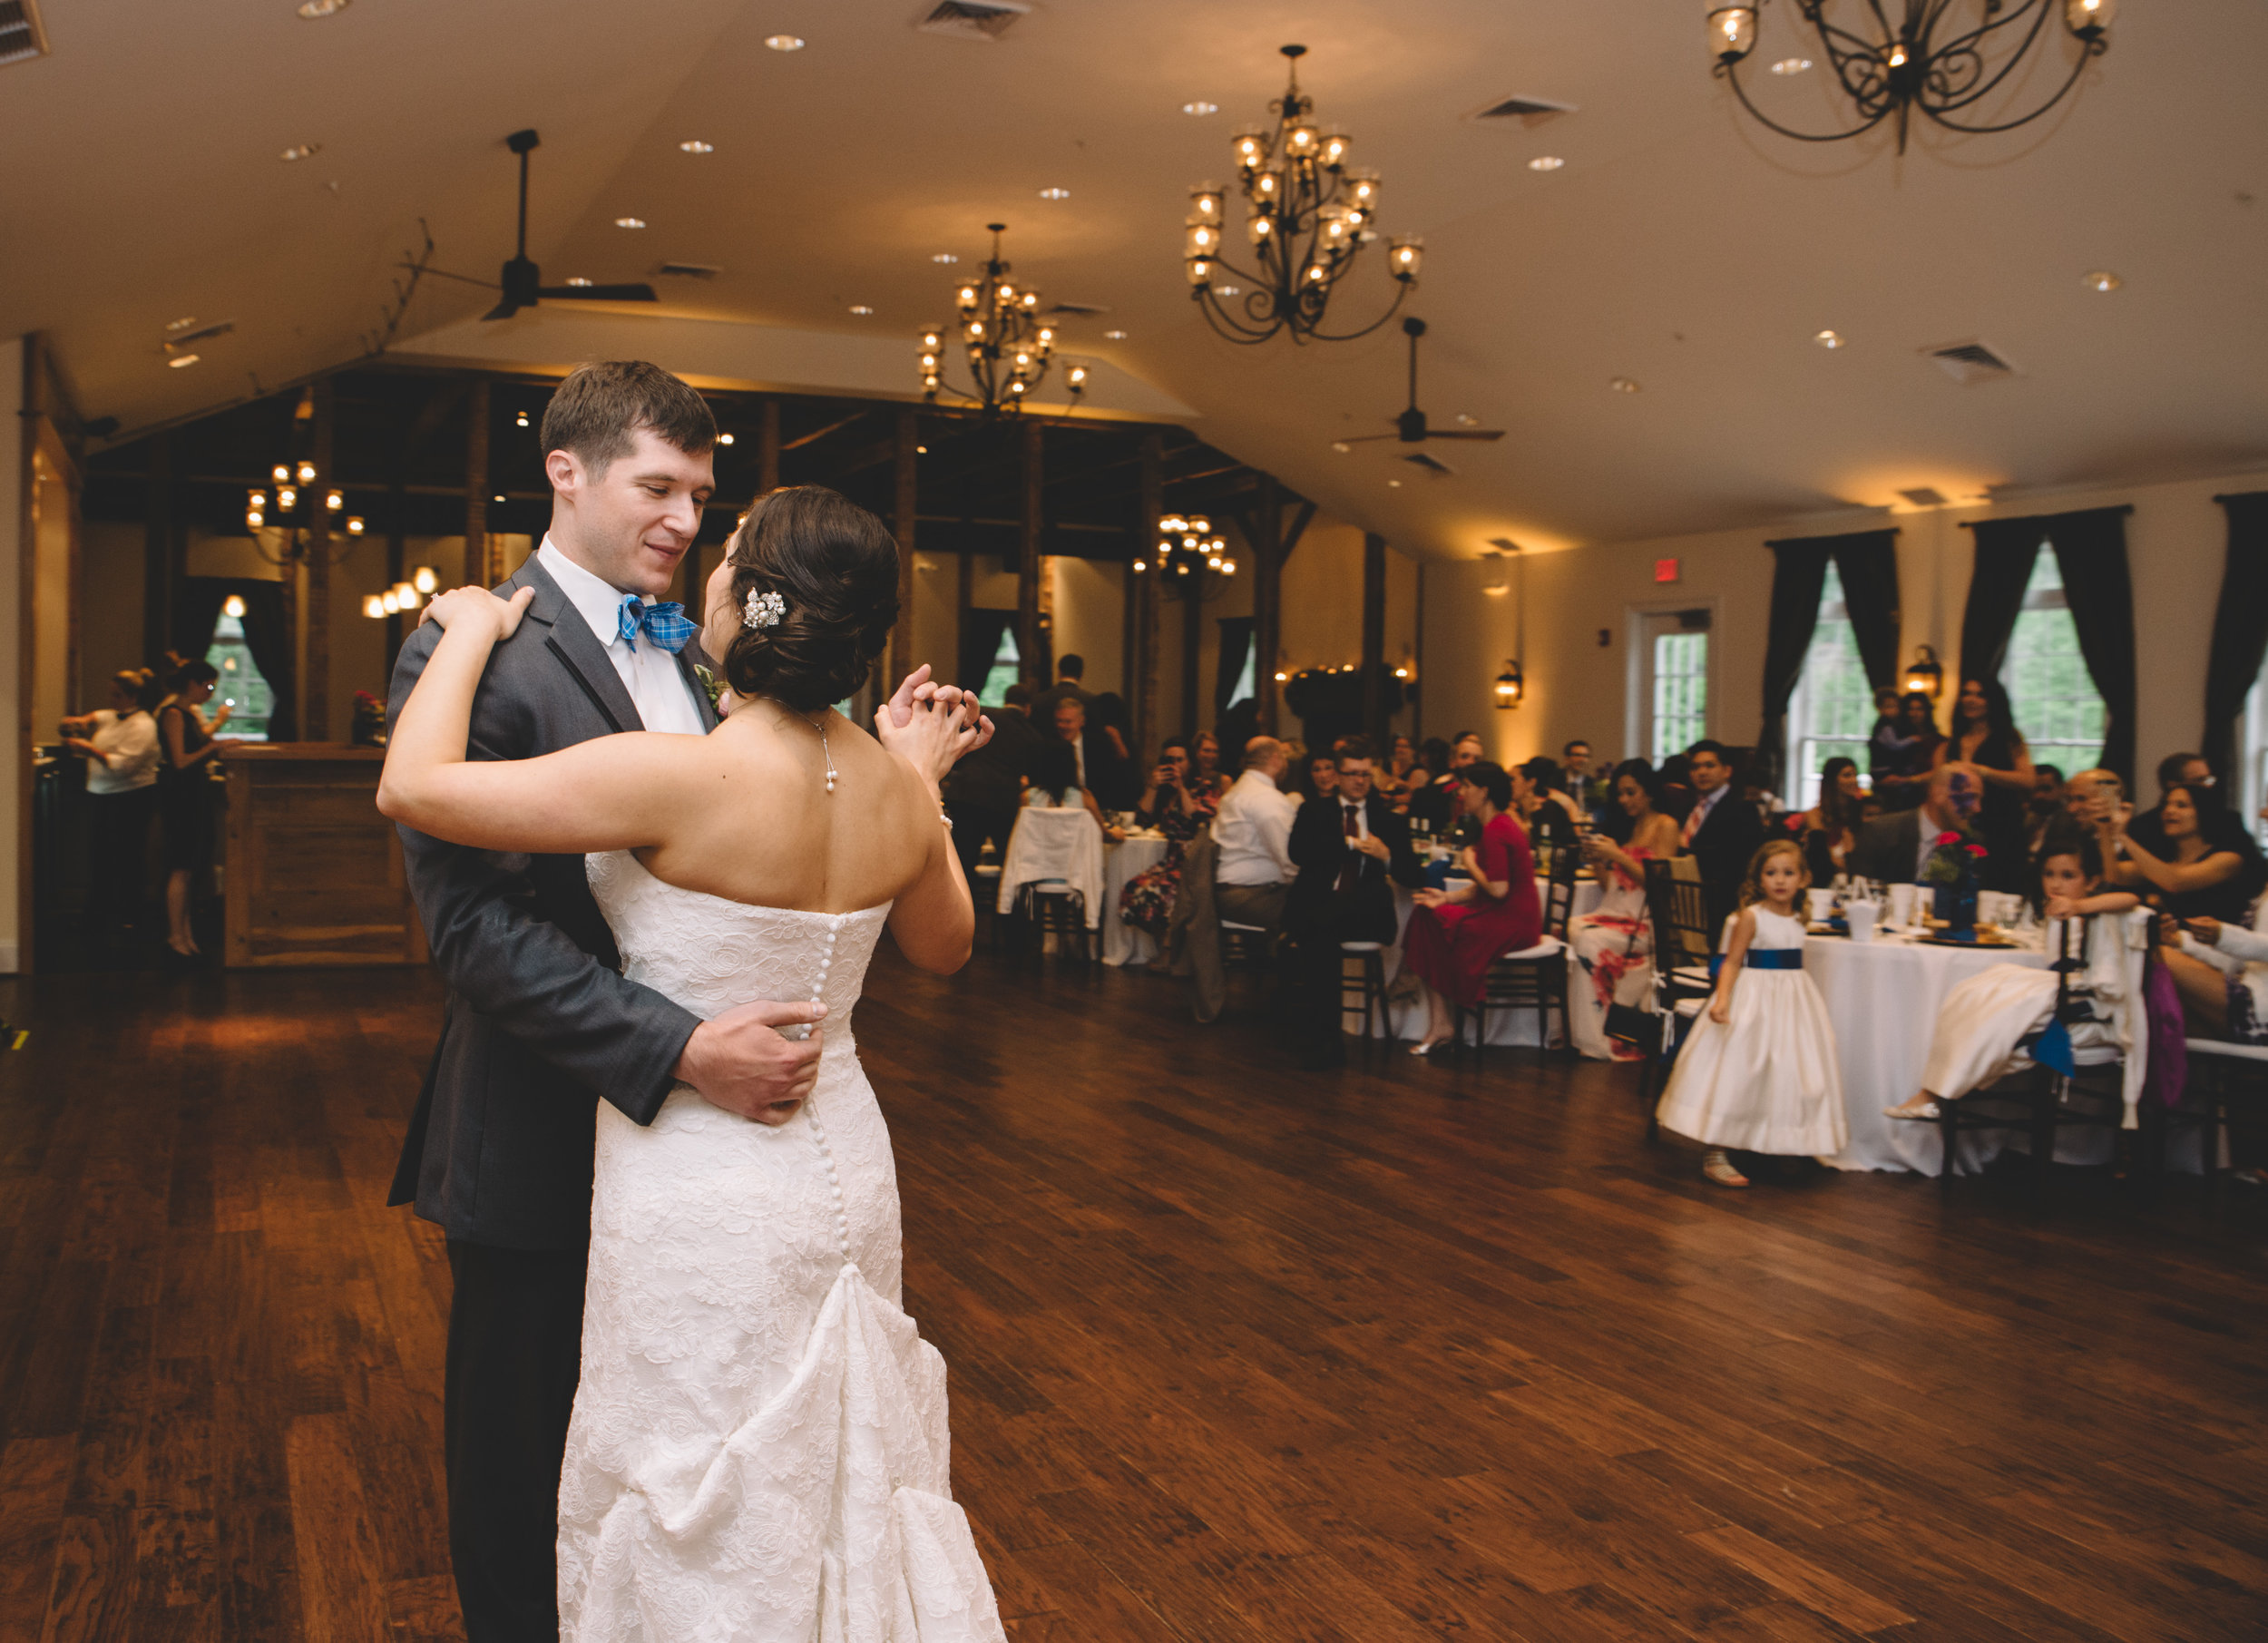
758 1449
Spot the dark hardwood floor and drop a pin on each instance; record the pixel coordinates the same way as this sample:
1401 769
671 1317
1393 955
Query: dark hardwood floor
1407 1352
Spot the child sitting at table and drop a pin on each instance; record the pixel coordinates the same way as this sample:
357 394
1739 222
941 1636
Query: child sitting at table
1990 1023
1759 1072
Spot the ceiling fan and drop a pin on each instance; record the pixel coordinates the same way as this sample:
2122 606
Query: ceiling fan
521 282
1410 428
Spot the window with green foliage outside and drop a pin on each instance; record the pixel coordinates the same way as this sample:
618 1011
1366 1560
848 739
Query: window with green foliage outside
2056 706
241 687
1832 712
1007 661
1681 692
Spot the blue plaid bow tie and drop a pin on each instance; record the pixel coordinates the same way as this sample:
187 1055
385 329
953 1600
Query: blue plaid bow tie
665 624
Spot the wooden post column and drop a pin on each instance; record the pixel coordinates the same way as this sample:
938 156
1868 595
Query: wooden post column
476 485
315 720
1267 617
907 474
1146 594
767 448
157 550
1032 639
1375 639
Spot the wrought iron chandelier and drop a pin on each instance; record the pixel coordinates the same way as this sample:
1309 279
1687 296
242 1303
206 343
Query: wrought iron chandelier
1010 347
1927 62
1309 214
1189 555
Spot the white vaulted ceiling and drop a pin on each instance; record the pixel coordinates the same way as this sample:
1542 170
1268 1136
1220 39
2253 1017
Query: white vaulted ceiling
1681 246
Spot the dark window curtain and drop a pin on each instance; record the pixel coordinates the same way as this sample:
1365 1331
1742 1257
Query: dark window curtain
1868 563
266 634
980 642
1236 645
2240 629
2006 549
1796 579
2091 552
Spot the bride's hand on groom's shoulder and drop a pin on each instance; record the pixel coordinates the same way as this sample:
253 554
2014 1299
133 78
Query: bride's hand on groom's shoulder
460 606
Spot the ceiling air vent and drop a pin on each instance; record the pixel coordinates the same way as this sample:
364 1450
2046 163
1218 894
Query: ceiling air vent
690 270
972 19
1970 362
21 37
1527 111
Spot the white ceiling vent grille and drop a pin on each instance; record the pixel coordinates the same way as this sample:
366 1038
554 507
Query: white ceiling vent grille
21 37
1971 362
972 19
692 270
1527 111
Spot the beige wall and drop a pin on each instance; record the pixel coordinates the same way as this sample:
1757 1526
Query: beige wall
2175 540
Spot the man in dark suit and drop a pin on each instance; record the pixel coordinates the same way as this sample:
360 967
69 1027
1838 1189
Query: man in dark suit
1893 848
984 789
1350 849
1105 764
1721 832
541 1024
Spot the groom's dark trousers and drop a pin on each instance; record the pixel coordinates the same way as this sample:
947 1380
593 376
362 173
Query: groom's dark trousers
541 1027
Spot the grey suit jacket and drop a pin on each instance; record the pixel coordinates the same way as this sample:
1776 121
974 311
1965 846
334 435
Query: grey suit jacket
541 1023
1888 847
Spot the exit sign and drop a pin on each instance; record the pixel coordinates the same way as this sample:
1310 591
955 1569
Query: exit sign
1665 569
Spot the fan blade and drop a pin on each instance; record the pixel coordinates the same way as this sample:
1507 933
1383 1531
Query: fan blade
502 310
1464 433
488 284
599 293
1364 438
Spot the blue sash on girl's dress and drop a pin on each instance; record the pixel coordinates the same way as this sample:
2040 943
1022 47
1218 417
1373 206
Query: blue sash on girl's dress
1774 958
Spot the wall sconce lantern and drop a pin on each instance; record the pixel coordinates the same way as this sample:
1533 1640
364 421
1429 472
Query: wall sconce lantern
1924 674
1511 686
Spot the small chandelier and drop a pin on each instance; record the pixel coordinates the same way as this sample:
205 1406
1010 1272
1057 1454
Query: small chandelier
1310 214
1009 348
403 595
1188 551
1924 61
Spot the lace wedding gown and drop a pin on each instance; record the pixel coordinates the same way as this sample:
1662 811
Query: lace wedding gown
758 1449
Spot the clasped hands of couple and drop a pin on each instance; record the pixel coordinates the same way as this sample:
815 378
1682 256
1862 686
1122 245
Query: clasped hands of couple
739 1060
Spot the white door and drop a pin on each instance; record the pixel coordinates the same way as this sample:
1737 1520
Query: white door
1671 689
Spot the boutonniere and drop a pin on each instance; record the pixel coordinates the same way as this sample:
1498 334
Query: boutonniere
713 686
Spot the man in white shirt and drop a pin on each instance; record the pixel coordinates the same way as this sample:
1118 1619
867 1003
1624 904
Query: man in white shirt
658 686
1250 859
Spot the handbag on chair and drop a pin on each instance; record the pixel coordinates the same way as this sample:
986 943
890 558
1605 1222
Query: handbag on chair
1640 1029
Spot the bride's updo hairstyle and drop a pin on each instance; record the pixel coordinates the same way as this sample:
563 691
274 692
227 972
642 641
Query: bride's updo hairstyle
835 571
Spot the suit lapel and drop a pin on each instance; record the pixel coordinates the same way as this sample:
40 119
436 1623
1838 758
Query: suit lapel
577 648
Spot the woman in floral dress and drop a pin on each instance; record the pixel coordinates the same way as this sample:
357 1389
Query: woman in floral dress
1176 808
1614 946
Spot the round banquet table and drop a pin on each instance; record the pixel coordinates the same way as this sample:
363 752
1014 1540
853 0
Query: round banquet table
1124 943
1406 1014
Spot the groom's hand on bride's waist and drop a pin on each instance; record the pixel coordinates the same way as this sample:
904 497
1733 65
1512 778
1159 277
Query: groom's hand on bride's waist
740 1060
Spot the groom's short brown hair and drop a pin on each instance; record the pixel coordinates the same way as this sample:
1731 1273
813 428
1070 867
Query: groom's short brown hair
597 409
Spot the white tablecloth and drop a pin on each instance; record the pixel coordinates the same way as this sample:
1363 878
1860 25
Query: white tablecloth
1054 844
1124 943
1883 998
1505 1026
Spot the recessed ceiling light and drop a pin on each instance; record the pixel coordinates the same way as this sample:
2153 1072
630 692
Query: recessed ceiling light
860 307
302 151
1791 66
943 257
178 360
724 439
315 10
182 324
1546 162
1115 336
1393 485
2101 279
578 280
1055 193
629 222
1341 447
694 145
1828 339
784 42
1201 107
1463 420
1623 385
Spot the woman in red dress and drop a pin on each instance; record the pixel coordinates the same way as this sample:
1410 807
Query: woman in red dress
1455 933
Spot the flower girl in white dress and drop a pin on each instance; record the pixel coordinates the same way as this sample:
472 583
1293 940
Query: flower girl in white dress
1758 1071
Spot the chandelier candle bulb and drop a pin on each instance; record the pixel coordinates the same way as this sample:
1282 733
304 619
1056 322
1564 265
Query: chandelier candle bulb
389 603
373 606
307 473
425 580
287 499
335 501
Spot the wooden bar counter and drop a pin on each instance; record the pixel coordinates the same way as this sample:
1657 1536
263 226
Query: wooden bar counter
314 873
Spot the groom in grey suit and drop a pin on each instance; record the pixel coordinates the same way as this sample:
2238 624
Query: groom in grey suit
541 1024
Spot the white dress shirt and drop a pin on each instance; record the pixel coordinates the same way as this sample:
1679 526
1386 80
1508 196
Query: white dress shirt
658 689
128 748
1253 830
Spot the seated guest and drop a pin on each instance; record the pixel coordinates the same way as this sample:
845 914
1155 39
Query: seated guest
1456 935
1435 805
1350 849
1584 786
1402 761
120 743
1721 831
1901 756
1613 944
1055 786
1097 754
1988 1021
2045 809
2209 868
1205 774
2221 971
1167 804
1546 814
1893 849
1829 830
1318 775
1984 735
2175 770
987 787
2092 796
1252 869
